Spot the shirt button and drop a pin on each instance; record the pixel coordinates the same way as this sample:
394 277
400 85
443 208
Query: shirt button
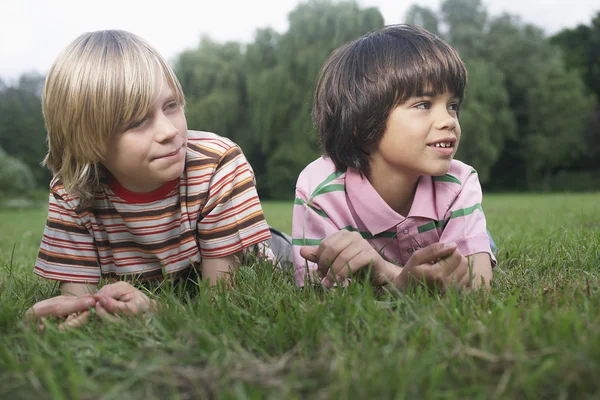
410 249
405 231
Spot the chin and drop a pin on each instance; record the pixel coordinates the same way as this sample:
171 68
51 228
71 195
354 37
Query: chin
441 170
173 173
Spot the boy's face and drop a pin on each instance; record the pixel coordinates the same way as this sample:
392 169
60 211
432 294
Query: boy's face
421 137
152 151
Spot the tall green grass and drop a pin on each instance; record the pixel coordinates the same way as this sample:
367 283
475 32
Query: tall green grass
536 335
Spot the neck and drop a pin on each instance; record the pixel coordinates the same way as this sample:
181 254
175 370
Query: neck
396 188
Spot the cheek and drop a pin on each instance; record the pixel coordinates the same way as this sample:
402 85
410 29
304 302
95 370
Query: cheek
131 149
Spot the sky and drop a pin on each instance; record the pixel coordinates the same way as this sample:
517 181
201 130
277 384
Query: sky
33 32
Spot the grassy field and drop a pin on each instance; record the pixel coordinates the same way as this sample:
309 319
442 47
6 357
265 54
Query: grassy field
537 335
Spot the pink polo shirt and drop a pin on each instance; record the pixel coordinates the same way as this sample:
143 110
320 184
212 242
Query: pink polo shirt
445 208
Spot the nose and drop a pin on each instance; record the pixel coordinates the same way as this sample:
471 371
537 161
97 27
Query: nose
165 129
446 119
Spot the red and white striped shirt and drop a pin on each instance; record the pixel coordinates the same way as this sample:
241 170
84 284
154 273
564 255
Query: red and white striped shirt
211 211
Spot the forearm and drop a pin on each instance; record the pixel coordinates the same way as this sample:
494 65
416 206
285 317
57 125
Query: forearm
481 270
215 269
393 280
77 289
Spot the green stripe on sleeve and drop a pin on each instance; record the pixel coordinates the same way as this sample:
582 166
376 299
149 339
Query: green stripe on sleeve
466 211
299 202
455 214
331 177
329 188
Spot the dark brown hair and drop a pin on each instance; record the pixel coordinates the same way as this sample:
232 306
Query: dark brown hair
364 80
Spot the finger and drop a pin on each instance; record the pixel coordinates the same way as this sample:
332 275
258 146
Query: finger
332 247
433 253
105 315
145 304
451 265
116 290
341 262
309 253
60 306
131 307
357 260
108 303
74 321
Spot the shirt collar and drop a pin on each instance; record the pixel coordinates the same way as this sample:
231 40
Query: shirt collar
375 213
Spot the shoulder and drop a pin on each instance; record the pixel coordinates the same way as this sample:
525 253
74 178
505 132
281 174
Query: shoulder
456 178
209 146
463 172
59 195
319 173
460 182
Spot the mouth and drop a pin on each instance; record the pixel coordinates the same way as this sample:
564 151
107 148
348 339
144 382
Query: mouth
443 143
169 155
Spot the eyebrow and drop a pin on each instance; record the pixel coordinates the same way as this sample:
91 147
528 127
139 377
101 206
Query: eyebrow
432 94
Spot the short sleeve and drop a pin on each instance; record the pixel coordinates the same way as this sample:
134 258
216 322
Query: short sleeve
232 218
310 225
465 223
67 252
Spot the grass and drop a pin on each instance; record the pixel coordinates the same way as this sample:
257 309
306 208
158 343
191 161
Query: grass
536 335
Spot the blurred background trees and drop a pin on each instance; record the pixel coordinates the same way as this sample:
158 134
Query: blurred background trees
530 121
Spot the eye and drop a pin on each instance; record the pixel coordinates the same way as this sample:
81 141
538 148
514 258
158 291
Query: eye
137 124
454 107
425 105
172 105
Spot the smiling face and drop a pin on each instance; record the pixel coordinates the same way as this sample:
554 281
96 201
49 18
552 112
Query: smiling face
151 151
421 137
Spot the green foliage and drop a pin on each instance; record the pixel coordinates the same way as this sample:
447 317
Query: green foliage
534 336
528 113
559 110
486 120
22 133
581 53
260 96
15 177
581 48
423 16
532 112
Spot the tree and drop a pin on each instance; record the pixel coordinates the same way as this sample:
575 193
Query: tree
316 28
424 17
465 22
486 118
581 53
15 177
22 133
528 60
559 109
260 95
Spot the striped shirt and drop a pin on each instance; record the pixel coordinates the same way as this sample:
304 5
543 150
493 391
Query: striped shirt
211 211
445 209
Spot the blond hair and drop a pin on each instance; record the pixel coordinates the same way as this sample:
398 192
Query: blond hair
102 81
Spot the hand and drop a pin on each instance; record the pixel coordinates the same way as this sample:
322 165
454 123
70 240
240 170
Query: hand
121 298
342 254
72 311
438 267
